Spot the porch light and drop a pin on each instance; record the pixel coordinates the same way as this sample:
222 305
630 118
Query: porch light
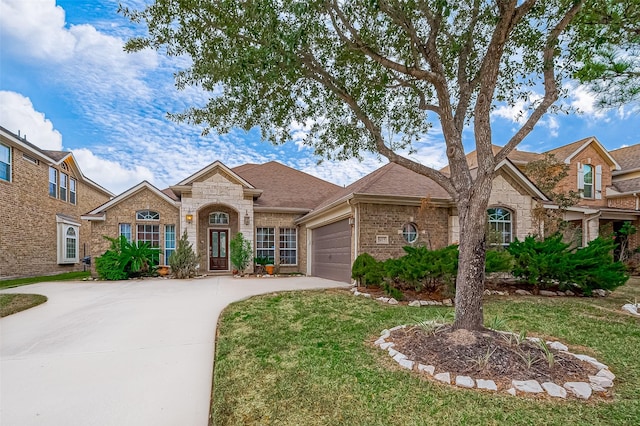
247 219
189 218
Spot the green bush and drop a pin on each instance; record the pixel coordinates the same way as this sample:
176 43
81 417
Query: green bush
498 261
552 262
183 260
366 270
423 268
240 252
126 259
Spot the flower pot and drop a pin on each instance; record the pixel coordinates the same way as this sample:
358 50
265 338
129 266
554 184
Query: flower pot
163 271
269 269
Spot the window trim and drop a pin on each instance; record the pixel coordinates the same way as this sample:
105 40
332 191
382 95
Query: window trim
282 233
8 165
53 184
405 233
147 215
502 233
122 233
64 186
168 250
73 191
218 218
156 257
262 250
63 225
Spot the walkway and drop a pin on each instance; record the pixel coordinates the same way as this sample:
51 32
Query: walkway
121 353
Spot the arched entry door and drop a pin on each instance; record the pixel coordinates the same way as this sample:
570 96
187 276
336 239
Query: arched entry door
218 249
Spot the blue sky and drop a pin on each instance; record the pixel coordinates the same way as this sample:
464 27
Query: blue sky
66 83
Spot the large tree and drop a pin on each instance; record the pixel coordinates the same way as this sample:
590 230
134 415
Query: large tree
370 75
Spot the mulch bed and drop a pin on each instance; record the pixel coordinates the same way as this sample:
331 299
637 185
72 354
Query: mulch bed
488 355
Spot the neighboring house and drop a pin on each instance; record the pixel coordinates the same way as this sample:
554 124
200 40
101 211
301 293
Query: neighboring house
42 196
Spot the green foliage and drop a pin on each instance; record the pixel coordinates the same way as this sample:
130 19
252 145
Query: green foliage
262 261
424 268
552 262
367 270
392 291
240 252
498 261
623 234
126 259
183 260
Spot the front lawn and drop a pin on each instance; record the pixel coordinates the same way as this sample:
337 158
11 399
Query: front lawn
12 303
307 358
67 276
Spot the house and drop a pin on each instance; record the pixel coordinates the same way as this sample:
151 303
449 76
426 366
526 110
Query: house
42 197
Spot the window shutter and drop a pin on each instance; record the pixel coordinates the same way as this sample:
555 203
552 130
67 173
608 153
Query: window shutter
598 183
580 179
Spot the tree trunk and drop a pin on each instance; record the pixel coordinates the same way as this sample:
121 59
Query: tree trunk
472 215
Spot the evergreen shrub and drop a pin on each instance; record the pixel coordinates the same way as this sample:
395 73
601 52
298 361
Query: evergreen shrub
240 252
367 270
183 260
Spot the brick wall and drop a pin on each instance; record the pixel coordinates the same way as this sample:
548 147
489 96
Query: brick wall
278 221
387 221
28 230
125 212
570 183
623 202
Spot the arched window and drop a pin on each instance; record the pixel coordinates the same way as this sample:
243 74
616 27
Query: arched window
500 226
410 232
219 218
71 244
147 215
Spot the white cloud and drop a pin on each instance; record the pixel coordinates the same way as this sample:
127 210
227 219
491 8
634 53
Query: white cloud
585 102
110 174
17 114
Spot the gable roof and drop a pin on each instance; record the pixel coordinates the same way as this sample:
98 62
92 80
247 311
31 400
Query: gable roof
567 152
284 187
212 168
98 212
628 157
49 157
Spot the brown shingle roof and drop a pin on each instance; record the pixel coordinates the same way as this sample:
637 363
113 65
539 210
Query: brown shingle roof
628 157
627 185
169 193
56 155
284 186
561 153
391 180
516 157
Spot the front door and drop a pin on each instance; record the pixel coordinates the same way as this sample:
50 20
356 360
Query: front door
218 250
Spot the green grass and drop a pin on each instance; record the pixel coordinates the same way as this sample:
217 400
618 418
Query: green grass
306 358
67 276
12 303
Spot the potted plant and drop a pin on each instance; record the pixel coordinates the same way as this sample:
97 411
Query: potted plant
269 268
261 263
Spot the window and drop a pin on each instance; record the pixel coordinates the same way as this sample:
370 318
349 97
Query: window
71 244
125 230
150 234
147 215
68 236
72 191
288 246
410 232
218 218
590 181
500 226
169 242
266 243
5 163
53 182
63 186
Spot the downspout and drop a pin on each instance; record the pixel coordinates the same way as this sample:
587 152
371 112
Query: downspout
356 229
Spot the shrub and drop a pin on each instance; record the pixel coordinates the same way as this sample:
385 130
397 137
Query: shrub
593 267
422 267
366 270
125 259
183 260
240 252
498 261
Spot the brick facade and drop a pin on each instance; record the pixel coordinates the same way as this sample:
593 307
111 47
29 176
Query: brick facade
28 228
592 156
279 221
125 212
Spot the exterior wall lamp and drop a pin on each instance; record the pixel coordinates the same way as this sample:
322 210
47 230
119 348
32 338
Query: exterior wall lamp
247 219
189 218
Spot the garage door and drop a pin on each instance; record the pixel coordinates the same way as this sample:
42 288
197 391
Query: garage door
331 251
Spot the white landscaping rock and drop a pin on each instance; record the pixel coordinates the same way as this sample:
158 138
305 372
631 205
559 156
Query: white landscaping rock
356 293
383 299
393 352
414 303
554 390
366 295
429 369
600 292
606 373
511 391
569 293
600 381
523 292
631 308
392 301
591 361
580 389
399 356
387 345
379 342
398 327
548 293
486 384
557 346
406 363
443 377
447 302
465 381
528 386
385 334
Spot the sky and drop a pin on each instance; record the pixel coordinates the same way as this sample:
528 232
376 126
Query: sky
67 84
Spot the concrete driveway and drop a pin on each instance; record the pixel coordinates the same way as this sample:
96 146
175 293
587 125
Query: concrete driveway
119 353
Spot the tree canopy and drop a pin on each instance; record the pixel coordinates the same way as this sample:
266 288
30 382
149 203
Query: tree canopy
373 74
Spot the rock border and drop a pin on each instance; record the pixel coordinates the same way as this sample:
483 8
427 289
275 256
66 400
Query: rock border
632 308
601 382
